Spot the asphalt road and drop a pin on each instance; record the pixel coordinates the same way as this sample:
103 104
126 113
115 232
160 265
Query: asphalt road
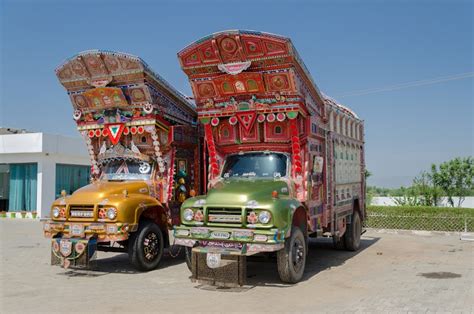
391 273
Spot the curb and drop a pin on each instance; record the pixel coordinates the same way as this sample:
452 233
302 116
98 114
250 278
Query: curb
424 232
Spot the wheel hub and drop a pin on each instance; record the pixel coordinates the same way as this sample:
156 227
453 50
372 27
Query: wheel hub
150 246
297 256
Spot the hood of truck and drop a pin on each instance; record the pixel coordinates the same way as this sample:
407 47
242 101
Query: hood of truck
100 190
240 191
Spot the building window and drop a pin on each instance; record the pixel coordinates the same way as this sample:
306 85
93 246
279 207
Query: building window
4 184
23 187
71 178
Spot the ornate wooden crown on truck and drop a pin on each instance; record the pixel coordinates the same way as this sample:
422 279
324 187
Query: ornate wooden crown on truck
143 143
285 161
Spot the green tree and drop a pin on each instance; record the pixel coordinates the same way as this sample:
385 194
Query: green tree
429 193
455 178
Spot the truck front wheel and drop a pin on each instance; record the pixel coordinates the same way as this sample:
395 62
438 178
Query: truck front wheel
145 247
291 259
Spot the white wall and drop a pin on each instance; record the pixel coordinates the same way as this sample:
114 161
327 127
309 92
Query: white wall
388 201
46 150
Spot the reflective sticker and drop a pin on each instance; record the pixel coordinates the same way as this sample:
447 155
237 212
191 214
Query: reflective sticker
65 247
213 260
77 230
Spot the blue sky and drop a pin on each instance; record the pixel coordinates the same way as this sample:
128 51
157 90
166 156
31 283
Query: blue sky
348 46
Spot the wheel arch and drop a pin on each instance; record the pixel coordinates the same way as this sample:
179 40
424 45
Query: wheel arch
299 219
356 207
158 214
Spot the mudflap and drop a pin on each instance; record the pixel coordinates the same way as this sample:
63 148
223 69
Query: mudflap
74 253
218 269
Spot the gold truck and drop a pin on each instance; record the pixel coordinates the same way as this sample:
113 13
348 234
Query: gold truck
143 142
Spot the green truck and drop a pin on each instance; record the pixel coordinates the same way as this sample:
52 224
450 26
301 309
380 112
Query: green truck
285 162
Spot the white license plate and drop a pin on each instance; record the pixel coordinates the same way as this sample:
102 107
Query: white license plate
77 230
220 235
213 260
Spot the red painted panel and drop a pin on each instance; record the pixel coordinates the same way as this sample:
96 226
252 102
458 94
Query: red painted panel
276 131
229 49
239 84
252 136
253 47
226 133
276 82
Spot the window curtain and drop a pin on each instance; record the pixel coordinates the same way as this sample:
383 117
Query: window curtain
23 187
71 178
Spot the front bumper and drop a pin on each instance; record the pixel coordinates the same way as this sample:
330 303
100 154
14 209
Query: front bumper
231 241
104 232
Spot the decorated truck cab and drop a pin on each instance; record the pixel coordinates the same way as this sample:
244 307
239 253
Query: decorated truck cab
143 142
285 162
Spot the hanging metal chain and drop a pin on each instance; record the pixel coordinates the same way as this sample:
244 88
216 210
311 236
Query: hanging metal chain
170 252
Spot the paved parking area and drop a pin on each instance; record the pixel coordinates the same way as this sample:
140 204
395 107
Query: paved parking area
391 273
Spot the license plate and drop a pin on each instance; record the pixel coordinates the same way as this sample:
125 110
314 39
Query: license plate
220 235
77 230
213 260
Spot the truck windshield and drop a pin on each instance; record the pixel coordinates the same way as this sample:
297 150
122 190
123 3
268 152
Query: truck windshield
265 165
127 170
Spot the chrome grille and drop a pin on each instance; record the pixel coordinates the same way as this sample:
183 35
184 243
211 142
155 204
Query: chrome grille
81 211
224 215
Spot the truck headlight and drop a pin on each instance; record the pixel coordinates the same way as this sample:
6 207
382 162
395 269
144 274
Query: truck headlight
56 212
188 214
111 213
264 217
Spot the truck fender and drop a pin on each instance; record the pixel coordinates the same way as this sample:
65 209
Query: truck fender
298 217
156 213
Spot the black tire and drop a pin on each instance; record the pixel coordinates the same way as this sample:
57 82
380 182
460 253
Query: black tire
353 233
339 243
291 259
188 255
145 247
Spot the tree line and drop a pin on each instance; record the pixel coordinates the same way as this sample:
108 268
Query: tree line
453 178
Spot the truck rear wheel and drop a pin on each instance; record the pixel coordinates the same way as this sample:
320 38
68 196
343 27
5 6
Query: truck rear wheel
338 242
353 233
145 247
291 259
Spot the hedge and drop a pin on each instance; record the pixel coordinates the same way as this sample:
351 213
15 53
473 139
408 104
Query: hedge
420 218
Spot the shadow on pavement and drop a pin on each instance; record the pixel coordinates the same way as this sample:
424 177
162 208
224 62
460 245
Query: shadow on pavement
262 270
119 264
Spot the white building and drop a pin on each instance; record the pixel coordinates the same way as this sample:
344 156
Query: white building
35 167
